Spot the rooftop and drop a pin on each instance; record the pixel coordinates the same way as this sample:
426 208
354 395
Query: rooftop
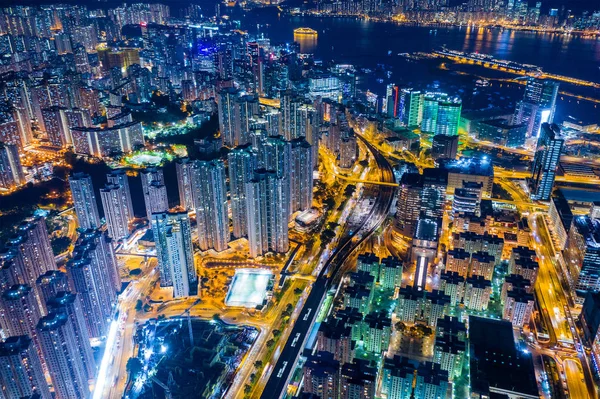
485 114
589 229
14 345
564 210
471 166
501 124
496 364
427 229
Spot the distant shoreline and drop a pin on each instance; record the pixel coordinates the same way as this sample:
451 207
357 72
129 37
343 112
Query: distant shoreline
585 34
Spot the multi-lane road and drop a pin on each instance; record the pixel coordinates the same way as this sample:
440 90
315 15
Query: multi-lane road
117 355
575 380
278 380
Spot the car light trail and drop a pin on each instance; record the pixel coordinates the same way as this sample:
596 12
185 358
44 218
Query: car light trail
106 358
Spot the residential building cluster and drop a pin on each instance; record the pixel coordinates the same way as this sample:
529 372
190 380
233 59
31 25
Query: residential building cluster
48 317
423 354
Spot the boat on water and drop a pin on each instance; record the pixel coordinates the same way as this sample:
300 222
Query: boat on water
305 32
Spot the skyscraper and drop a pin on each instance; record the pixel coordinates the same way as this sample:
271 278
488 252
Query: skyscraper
391 105
291 103
433 198
84 200
210 198
94 276
274 154
63 360
322 375
431 381
304 123
256 65
11 170
69 303
19 312
119 177
411 107
49 284
273 118
242 163
184 167
116 212
12 269
546 159
518 306
155 192
450 348
267 213
246 107
538 105
430 111
226 106
157 200
348 150
443 146
235 112
175 253
582 255
58 122
149 175
301 175
21 372
398 377
33 249
376 332
335 336
358 380
448 116
409 203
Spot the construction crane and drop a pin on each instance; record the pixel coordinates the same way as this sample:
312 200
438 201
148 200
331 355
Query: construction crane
167 390
189 320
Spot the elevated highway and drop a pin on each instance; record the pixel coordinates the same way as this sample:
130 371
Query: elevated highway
330 275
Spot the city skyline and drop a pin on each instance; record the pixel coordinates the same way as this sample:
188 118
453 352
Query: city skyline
259 200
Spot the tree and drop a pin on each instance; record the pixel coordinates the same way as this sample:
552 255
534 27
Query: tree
60 245
297 291
276 333
400 326
270 343
349 190
247 389
258 364
424 330
332 225
327 236
134 366
288 310
329 202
